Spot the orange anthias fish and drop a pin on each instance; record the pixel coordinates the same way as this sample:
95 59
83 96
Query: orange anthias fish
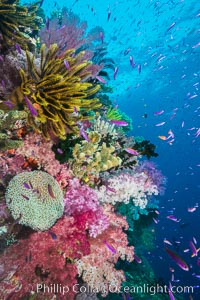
162 137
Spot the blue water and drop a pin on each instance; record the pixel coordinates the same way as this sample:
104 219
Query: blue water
170 75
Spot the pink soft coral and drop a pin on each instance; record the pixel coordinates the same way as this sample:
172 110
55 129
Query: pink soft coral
46 258
81 199
97 269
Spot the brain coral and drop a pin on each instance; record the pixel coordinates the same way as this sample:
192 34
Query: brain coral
35 199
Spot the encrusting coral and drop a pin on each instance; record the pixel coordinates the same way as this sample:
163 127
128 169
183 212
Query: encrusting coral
55 92
16 22
35 199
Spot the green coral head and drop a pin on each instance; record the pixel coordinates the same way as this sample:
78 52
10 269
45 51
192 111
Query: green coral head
35 199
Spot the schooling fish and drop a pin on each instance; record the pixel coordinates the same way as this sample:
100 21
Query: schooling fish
101 36
84 134
50 191
193 248
101 79
66 64
119 122
132 151
110 247
115 73
18 48
47 24
177 259
139 68
30 106
131 61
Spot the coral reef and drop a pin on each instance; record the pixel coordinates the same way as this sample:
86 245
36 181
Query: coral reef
45 258
35 199
10 122
72 187
18 19
97 268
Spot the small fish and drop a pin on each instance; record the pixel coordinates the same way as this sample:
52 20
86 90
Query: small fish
3 83
101 79
167 242
66 64
193 248
84 134
158 112
160 124
119 122
182 124
115 73
109 14
30 184
47 23
127 51
186 250
194 240
139 68
110 189
53 235
50 191
30 106
155 221
110 247
131 61
25 184
173 218
25 197
59 151
162 137
171 26
8 103
191 209
171 134
171 296
101 35
132 151
138 259
18 48
177 259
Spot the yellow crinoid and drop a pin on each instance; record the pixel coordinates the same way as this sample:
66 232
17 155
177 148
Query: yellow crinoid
55 92
16 22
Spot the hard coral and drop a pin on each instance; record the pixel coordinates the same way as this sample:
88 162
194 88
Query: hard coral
52 90
15 20
35 199
91 158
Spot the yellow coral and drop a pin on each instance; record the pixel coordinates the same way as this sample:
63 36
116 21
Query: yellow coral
54 90
92 158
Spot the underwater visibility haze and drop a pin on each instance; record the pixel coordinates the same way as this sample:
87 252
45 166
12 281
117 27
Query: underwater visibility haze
99 150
